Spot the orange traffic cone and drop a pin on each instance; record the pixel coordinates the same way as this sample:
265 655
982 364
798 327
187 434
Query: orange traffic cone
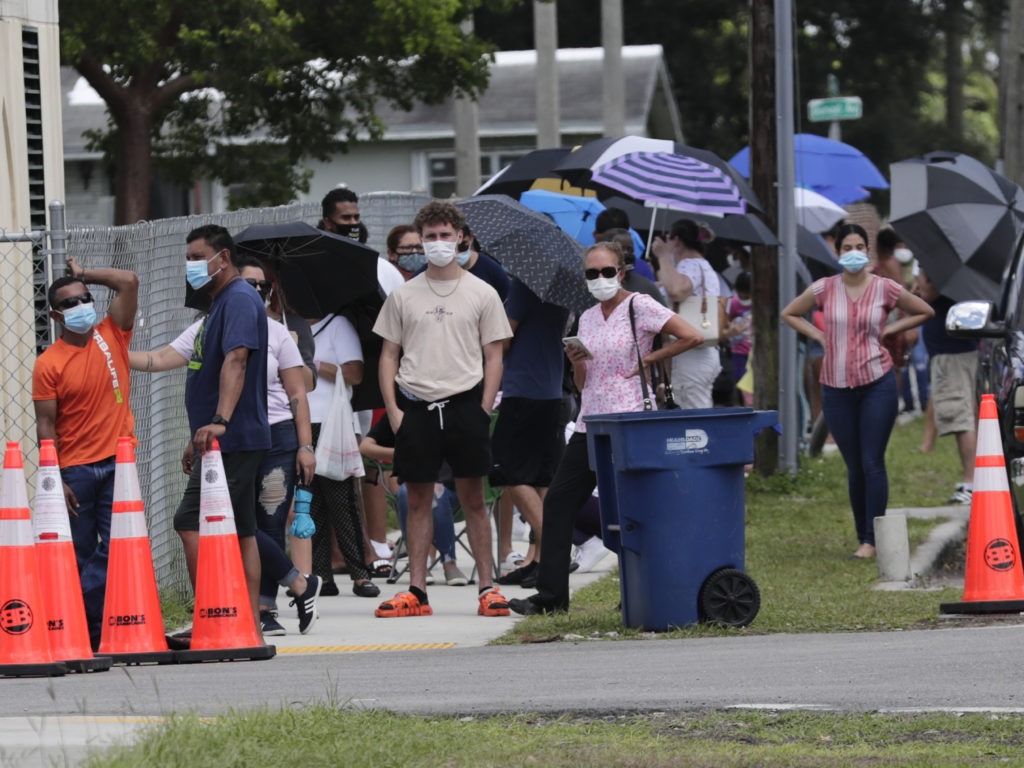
24 645
133 625
58 571
993 576
223 627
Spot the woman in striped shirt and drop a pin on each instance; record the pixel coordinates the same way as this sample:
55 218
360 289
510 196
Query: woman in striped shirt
859 397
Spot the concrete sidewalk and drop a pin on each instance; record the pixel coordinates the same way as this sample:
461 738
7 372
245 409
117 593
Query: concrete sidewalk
347 622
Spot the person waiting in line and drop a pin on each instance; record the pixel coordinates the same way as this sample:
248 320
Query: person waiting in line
859 397
683 272
80 389
740 331
634 281
290 457
440 370
605 369
527 441
405 251
617 219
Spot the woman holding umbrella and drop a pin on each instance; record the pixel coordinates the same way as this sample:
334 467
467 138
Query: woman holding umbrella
859 397
614 337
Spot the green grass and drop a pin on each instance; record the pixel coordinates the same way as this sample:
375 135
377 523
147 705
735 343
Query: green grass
799 535
321 736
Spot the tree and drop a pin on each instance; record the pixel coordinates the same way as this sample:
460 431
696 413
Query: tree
243 90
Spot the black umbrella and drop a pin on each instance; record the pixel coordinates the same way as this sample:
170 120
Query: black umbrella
961 219
531 247
578 166
519 176
741 228
319 272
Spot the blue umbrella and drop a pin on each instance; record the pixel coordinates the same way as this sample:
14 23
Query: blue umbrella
573 214
842 195
824 163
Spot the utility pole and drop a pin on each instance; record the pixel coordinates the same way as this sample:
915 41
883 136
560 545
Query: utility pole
545 41
764 260
613 99
467 138
1011 94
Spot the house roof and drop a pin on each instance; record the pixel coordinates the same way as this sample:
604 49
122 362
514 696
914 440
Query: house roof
507 108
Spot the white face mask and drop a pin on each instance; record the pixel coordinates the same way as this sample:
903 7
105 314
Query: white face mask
440 252
603 288
903 255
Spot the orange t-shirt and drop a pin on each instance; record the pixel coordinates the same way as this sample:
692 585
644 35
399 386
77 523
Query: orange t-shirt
90 385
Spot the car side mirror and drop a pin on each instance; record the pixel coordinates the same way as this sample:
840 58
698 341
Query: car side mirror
973 320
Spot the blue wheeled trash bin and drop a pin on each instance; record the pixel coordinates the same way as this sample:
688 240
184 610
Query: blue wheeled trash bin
673 506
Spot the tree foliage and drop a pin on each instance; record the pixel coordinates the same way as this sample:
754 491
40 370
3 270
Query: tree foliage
242 90
888 52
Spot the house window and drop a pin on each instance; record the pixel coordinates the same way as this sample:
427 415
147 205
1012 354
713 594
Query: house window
441 169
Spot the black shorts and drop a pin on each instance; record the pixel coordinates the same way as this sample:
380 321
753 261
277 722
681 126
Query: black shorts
242 469
528 442
457 432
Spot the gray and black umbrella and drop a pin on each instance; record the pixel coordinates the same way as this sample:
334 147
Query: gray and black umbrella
531 247
961 219
522 174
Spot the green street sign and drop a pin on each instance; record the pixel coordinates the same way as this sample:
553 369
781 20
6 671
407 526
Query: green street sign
835 108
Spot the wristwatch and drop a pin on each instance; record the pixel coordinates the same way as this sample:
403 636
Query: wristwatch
218 419
309 448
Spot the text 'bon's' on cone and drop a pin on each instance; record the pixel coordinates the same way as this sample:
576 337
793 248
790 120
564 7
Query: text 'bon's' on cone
133 624
993 575
58 570
223 626
24 644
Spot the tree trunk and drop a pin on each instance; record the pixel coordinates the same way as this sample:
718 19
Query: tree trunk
1011 94
764 259
955 69
133 164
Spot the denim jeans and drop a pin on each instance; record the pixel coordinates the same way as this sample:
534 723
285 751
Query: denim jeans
275 486
93 485
444 524
919 367
861 420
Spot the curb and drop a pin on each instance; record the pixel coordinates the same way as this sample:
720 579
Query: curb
924 559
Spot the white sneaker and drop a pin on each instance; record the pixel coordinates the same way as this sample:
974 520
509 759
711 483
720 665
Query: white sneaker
513 561
520 529
590 553
962 495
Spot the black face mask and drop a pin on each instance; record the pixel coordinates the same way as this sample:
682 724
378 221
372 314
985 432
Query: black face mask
353 231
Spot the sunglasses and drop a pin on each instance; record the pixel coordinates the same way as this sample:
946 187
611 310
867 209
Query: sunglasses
593 274
263 286
74 301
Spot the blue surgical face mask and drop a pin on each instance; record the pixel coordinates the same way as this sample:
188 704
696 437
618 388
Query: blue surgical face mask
854 261
463 257
412 262
80 318
197 272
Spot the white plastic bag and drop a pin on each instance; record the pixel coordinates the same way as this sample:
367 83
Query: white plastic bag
337 450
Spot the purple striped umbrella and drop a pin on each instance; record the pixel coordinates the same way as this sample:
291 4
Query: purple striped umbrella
677 181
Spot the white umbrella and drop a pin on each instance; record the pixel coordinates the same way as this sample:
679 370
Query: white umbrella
815 211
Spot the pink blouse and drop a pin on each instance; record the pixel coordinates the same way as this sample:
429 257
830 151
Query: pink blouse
607 389
854 355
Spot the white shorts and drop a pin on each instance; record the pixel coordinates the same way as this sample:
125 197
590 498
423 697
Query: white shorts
693 376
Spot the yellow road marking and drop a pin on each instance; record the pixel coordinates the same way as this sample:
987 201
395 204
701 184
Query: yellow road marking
365 648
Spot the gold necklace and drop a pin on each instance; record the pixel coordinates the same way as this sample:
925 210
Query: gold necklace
442 295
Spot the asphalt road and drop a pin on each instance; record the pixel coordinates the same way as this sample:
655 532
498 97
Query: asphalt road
962 668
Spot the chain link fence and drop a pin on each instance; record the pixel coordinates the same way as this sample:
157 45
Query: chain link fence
155 251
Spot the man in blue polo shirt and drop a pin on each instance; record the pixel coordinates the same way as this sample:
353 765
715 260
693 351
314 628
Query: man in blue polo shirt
225 395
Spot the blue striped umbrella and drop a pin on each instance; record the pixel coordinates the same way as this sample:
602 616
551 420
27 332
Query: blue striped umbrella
677 181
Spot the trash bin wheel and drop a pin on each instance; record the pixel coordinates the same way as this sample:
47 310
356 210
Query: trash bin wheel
730 598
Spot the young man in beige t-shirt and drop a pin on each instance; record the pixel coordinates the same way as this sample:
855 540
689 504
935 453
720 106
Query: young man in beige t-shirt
440 370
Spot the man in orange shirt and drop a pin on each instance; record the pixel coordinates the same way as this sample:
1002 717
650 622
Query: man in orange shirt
80 388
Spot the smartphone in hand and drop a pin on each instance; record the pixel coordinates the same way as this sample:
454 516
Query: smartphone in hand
573 342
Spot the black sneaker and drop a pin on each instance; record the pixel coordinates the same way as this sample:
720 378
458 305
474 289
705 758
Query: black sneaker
365 589
305 604
518 575
530 607
329 589
270 625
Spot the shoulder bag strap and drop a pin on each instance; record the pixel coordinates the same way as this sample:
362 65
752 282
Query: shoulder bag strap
648 406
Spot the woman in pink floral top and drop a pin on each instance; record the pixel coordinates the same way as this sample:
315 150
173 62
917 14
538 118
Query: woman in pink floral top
606 375
859 397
